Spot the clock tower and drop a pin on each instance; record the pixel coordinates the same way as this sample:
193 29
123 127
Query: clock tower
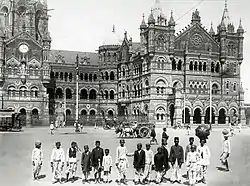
24 68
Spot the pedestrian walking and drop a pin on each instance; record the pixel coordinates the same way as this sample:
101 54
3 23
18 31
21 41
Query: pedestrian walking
97 159
121 162
57 160
164 134
71 161
239 126
188 127
37 159
52 128
165 158
86 164
226 149
159 165
149 161
176 159
204 160
153 135
191 164
188 148
107 165
139 163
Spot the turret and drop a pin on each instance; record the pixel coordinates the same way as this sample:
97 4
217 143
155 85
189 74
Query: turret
151 24
240 32
211 31
171 25
151 19
143 24
196 17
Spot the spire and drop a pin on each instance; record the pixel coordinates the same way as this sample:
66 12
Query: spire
157 10
151 19
225 17
240 28
143 24
196 18
171 21
211 31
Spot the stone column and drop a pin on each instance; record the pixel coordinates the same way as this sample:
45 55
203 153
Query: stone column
202 119
178 109
191 120
227 120
28 118
216 120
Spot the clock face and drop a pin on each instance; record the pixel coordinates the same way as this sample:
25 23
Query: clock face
23 48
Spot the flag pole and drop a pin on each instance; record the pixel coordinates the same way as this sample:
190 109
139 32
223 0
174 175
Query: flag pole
77 87
210 103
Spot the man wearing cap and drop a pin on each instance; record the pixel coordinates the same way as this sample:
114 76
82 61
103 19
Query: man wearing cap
226 150
57 160
71 161
37 159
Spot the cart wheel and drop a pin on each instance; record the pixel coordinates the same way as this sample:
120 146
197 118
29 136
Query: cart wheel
144 132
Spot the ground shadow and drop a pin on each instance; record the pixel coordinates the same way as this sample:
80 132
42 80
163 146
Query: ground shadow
41 176
186 183
221 169
185 176
69 133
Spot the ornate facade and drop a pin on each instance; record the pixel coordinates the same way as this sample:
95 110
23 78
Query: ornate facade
151 80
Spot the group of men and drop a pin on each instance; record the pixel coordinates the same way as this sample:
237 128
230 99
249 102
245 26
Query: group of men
196 158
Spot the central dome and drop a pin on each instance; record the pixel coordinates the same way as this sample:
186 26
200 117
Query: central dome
112 38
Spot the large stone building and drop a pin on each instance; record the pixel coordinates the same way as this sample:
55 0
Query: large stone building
149 80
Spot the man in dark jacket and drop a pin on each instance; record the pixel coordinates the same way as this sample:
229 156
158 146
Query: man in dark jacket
165 157
96 159
139 163
177 159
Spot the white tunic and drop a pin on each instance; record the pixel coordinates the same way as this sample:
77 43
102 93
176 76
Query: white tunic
37 155
149 156
226 146
121 152
204 154
57 155
107 162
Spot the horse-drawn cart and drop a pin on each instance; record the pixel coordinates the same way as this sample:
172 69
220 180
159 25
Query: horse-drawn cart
134 129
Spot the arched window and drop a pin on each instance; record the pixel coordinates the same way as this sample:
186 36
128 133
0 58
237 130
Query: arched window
217 69
52 74
123 72
107 76
191 67
112 75
90 77
34 92
147 87
84 112
68 94
84 94
68 112
11 91
23 91
92 113
102 75
160 42
135 90
95 77
81 76
200 66
57 75
70 77
61 75
123 93
234 87
227 85
59 93
215 89
195 65
5 13
173 64
106 94
179 65
112 94
66 76
231 49
212 67
204 66
92 94
86 77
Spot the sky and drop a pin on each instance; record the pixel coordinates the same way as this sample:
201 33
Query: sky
83 25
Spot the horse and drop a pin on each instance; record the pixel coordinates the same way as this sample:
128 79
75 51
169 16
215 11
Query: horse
125 132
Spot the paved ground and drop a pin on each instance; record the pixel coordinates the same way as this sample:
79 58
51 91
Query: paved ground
15 154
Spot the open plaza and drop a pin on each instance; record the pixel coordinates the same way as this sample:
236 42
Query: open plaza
16 149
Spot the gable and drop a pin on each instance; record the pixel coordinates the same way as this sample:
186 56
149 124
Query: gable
198 40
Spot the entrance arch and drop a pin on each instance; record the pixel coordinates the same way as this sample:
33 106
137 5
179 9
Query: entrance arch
222 116
207 116
35 117
187 116
197 116
110 114
171 111
23 117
